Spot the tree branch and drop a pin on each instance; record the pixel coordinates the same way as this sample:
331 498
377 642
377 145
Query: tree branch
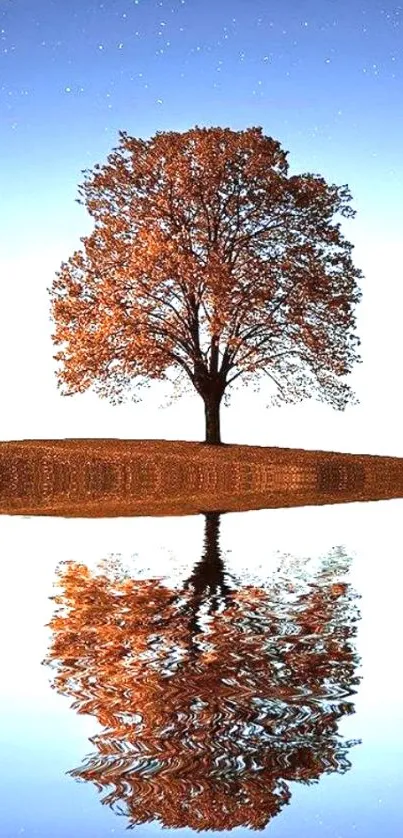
265 360
179 360
165 332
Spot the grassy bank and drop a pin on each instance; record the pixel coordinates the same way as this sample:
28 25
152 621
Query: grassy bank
118 477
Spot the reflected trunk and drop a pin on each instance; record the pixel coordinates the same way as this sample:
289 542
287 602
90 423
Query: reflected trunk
208 583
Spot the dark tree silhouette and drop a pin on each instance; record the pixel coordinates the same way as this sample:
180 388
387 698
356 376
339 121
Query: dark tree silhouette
213 698
207 585
208 259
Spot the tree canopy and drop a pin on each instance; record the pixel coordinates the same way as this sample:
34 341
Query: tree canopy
207 259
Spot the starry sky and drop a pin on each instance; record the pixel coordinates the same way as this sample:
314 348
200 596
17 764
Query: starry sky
324 77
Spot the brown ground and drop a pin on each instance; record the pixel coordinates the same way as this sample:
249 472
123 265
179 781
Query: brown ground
116 477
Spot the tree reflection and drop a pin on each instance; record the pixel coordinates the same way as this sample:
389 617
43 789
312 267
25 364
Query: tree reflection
212 698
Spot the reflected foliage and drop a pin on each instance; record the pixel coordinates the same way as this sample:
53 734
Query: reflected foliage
211 698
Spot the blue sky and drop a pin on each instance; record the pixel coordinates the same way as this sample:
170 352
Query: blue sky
324 78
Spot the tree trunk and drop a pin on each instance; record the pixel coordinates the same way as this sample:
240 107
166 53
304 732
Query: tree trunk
212 416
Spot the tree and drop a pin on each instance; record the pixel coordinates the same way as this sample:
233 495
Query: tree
207 259
212 697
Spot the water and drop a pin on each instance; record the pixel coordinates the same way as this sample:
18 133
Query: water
220 673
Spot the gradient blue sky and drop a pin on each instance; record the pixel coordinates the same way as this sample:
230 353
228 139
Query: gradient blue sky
324 77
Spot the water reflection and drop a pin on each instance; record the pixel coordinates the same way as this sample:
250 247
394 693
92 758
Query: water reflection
212 697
